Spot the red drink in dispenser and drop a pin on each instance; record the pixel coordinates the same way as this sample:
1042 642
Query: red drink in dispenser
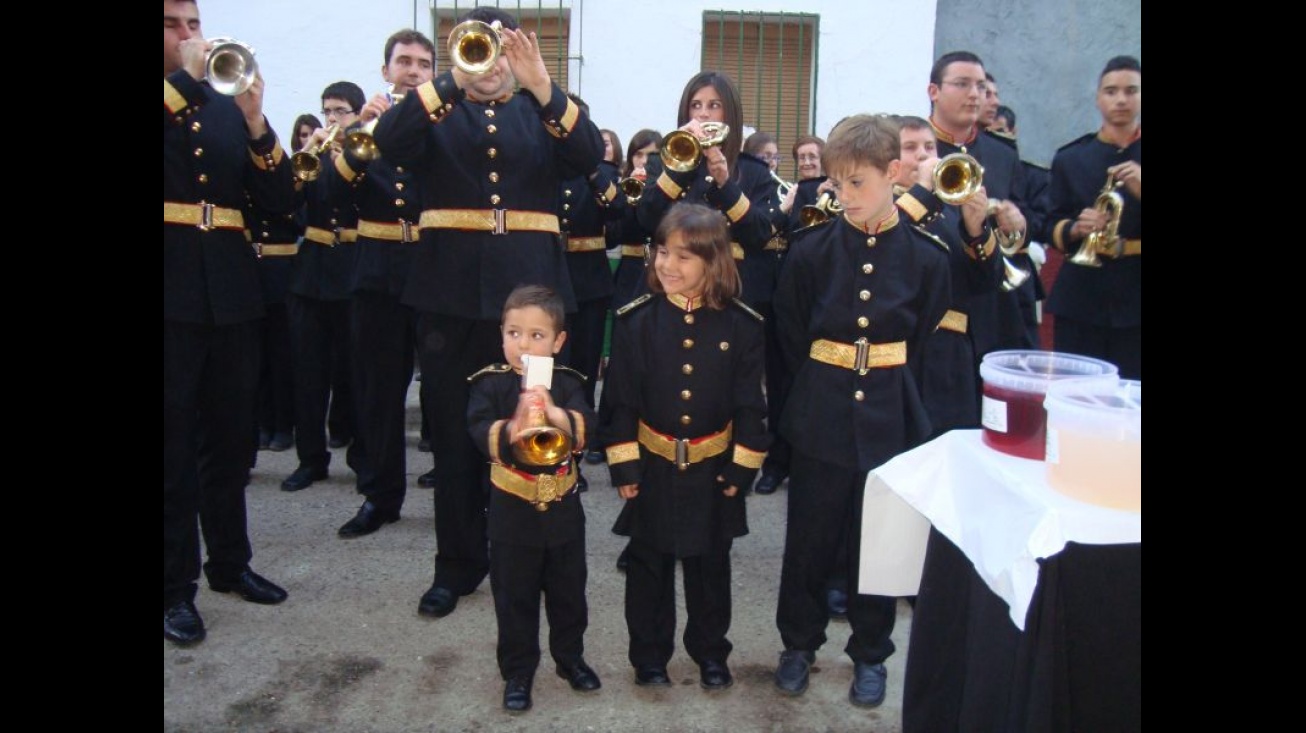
1015 382
1015 422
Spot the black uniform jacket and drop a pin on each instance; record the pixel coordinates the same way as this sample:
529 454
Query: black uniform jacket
324 267
1110 295
492 403
385 194
686 371
276 239
583 215
840 284
511 155
212 276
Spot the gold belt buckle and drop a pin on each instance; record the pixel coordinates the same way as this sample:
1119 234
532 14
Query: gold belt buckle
546 490
206 216
500 221
682 454
861 362
406 230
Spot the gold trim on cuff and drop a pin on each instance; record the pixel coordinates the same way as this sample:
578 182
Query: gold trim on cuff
748 458
623 453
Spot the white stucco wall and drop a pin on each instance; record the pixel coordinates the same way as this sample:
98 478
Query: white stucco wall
875 55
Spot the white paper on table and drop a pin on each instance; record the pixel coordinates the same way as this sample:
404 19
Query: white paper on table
894 536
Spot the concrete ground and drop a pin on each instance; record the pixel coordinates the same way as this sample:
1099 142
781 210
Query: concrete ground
348 652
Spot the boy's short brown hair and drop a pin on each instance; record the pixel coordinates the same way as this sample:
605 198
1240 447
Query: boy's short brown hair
539 296
861 140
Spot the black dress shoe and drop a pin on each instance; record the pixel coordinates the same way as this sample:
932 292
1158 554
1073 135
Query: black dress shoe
340 441
252 587
651 676
868 686
437 602
368 520
595 456
715 676
791 674
768 483
302 478
517 694
182 624
427 480
281 442
580 676
836 600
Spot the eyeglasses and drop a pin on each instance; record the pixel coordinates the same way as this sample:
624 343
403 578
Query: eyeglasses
809 158
337 111
965 85
771 157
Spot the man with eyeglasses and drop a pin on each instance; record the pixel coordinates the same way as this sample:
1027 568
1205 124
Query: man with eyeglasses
218 152
318 304
958 89
388 199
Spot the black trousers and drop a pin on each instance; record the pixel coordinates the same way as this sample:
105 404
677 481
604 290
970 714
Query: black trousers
210 375
276 384
1120 346
452 349
383 344
823 497
320 335
518 575
651 605
585 341
777 388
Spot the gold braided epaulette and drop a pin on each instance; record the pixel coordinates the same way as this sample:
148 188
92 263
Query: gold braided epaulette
744 307
632 305
942 244
491 369
559 368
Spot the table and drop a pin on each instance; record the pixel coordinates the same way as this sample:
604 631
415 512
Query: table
1029 605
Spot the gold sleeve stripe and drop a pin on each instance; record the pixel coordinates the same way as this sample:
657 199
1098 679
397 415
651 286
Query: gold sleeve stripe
495 430
611 193
736 212
569 117
669 187
748 458
430 98
623 453
578 423
172 99
990 245
344 170
913 208
264 162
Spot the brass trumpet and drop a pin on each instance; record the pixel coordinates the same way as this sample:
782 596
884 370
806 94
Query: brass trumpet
681 151
539 443
782 187
359 141
633 188
826 206
306 163
230 67
1009 244
475 46
957 178
1105 242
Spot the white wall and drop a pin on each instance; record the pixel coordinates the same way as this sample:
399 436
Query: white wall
875 55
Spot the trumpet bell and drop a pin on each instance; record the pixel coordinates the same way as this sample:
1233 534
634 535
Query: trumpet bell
633 188
1012 276
825 207
1107 240
306 165
474 46
230 67
681 151
957 178
542 446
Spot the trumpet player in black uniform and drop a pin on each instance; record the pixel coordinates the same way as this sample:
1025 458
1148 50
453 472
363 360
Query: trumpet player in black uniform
1095 216
958 90
318 302
276 240
490 162
387 197
532 437
218 152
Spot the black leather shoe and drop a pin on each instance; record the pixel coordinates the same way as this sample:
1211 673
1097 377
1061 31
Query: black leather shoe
836 600
651 676
182 624
368 520
715 676
340 441
252 587
867 690
791 674
517 694
768 483
623 560
595 456
302 478
427 480
437 602
580 676
281 442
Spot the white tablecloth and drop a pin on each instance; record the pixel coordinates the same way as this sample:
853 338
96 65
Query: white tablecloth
998 509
